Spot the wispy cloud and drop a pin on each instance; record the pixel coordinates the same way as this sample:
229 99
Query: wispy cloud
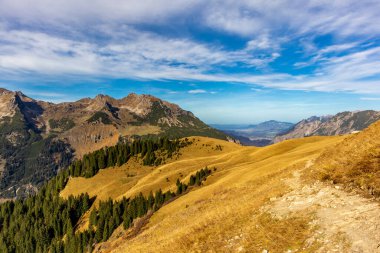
197 91
250 18
117 39
370 98
140 55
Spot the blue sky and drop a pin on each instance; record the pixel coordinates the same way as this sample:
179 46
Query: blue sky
227 61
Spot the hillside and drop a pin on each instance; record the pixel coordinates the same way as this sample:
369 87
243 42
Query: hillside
225 213
341 123
39 138
262 199
199 194
294 196
354 163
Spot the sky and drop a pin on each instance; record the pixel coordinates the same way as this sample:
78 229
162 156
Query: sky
227 61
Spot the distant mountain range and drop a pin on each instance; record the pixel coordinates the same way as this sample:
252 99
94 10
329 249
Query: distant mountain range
341 123
255 135
272 131
38 138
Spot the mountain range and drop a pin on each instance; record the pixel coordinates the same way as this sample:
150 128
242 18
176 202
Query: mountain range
195 193
341 123
273 131
260 134
38 138
214 195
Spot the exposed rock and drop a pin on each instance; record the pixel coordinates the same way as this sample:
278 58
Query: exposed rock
341 123
342 221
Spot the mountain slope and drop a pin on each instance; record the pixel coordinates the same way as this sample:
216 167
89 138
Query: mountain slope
355 162
29 159
224 214
38 138
341 123
258 198
254 200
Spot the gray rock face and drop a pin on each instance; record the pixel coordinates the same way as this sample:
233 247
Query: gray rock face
341 123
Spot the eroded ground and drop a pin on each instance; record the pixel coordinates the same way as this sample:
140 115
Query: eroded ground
342 221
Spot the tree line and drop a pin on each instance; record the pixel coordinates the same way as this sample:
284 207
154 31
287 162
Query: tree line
46 222
111 214
119 154
35 223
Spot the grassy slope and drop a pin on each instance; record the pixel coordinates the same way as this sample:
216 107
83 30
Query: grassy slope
355 161
224 214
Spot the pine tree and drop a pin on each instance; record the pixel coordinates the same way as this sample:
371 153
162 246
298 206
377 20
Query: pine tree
105 232
192 180
150 200
93 217
99 230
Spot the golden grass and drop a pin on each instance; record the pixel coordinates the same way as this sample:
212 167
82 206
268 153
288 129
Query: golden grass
227 205
108 183
354 161
223 215
133 178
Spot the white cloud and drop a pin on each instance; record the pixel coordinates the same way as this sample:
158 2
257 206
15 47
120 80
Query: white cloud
244 17
197 91
337 48
201 91
324 54
94 12
137 55
152 57
249 18
98 40
370 98
354 72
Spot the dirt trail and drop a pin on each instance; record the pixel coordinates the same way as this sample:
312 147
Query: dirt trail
343 222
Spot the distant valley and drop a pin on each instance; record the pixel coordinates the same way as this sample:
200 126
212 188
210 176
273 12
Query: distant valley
259 135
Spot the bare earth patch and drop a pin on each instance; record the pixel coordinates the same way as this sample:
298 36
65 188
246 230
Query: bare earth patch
342 221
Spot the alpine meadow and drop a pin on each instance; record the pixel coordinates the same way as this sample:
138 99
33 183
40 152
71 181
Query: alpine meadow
189 126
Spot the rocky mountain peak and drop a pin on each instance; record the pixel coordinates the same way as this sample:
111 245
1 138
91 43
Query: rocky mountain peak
4 91
103 98
341 123
8 103
141 105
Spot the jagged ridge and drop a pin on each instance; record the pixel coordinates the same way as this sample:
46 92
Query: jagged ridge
341 123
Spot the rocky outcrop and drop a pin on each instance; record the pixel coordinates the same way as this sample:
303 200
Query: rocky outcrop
341 123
